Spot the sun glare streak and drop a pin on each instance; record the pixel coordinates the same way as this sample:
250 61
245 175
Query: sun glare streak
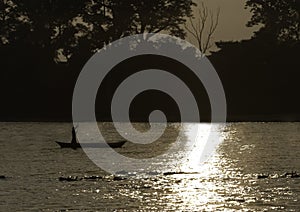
201 147
194 188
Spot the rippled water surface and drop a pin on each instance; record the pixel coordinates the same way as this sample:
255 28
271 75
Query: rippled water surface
33 163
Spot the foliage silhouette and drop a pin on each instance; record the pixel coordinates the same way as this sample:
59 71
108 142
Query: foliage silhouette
280 18
44 45
259 75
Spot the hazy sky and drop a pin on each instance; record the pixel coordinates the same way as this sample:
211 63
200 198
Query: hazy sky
233 19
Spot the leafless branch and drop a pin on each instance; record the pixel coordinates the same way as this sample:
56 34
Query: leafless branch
203 27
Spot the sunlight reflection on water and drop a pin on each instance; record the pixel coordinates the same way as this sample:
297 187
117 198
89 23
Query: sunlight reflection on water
32 163
202 146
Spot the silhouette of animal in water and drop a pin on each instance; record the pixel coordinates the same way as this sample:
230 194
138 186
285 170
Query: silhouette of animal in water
262 176
69 179
295 175
291 174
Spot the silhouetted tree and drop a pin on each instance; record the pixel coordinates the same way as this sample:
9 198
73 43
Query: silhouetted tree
203 27
109 20
44 44
280 18
62 26
260 75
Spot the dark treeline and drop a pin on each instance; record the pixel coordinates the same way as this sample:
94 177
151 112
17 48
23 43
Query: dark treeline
261 75
45 44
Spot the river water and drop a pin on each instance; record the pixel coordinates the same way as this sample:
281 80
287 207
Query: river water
32 164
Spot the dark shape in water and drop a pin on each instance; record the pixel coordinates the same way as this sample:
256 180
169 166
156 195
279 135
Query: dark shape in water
262 176
2 177
173 173
291 174
74 144
295 175
118 144
118 178
92 177
69 179
235 200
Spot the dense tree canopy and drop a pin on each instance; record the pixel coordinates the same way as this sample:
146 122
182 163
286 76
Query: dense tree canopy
281 18
44 44
65 26
260 75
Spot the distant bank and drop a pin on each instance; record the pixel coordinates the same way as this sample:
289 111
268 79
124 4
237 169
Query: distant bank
230 118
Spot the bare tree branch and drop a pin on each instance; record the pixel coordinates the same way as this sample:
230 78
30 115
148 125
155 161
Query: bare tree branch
203 27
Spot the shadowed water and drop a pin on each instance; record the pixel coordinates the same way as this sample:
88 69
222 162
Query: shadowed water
32 163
